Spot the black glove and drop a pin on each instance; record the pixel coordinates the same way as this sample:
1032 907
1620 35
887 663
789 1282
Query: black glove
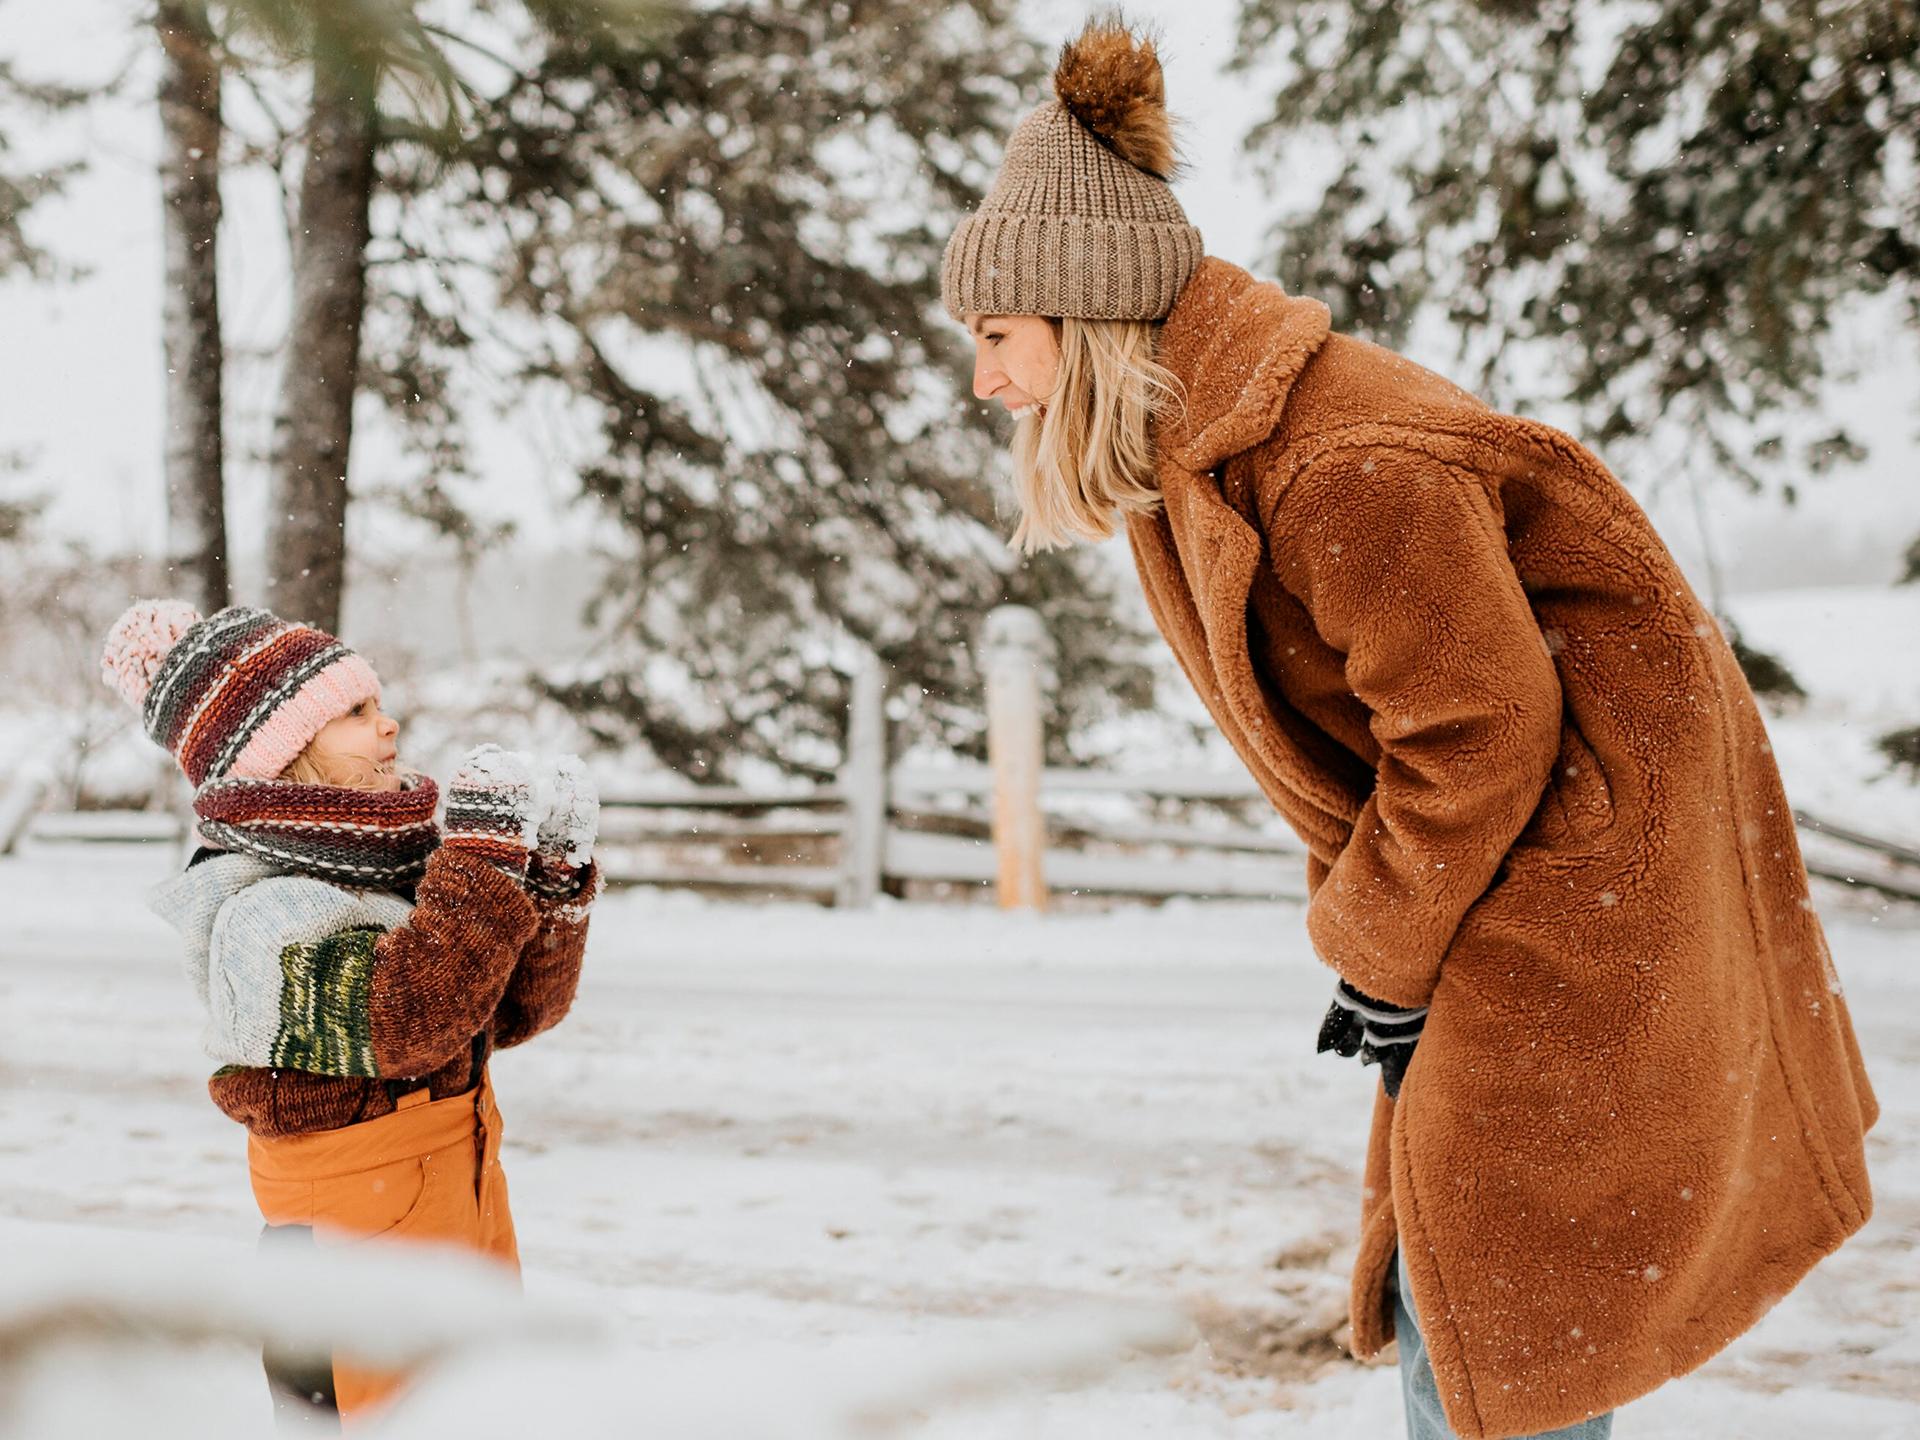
1379 1033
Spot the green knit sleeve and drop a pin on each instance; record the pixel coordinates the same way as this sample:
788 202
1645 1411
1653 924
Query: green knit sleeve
325 1023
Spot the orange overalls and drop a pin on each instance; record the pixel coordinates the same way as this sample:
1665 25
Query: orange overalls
430 1171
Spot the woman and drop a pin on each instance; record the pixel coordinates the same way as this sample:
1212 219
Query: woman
1550 857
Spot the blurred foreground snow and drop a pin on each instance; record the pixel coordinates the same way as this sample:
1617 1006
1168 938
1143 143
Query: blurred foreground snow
793 1172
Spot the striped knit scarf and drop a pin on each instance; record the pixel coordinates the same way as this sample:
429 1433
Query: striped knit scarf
358 837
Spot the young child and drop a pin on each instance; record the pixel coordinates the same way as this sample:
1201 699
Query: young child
357 966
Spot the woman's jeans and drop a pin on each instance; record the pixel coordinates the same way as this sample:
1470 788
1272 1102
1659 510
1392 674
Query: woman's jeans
1425 1419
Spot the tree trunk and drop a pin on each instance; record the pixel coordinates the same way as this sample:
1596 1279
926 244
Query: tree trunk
306 541
196 545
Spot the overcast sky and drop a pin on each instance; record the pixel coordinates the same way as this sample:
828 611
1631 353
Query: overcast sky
81 371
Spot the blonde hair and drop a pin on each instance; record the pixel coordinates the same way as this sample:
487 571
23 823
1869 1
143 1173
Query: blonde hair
352 772
1087 452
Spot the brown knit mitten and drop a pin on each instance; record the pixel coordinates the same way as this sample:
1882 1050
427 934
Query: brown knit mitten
495 803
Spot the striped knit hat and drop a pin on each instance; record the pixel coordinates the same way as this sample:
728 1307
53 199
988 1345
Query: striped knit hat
241 692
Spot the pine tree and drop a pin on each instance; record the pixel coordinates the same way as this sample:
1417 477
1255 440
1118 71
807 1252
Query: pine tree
17 511
1655 212
1901 748
21 190
354 54
725 248
383 89
191 135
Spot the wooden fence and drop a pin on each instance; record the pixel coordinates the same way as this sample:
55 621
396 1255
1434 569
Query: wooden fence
961 826
1028 832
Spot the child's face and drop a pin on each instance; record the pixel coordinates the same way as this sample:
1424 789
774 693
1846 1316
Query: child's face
358 749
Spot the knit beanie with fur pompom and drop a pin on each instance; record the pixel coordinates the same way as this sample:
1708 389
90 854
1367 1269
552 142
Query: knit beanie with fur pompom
241 692
1081 221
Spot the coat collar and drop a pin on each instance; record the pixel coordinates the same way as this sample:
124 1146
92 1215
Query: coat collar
1236 344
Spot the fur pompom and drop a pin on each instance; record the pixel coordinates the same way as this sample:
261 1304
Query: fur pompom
1110 82
139 641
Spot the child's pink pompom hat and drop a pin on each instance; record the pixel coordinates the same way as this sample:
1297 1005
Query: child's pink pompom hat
241 692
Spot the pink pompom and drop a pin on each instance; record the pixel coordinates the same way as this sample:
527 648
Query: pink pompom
139 641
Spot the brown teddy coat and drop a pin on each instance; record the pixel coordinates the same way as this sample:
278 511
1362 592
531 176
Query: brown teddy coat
1538 797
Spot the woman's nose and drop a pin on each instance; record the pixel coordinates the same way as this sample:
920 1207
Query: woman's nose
986 379
389 726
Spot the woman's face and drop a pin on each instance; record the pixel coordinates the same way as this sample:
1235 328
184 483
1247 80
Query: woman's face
359 748
1015 359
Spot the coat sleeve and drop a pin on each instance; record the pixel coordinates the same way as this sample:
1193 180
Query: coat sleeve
1402 562
437 980
290 962
544 981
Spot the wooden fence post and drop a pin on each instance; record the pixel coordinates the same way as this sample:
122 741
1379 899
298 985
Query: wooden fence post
1013 648
863 777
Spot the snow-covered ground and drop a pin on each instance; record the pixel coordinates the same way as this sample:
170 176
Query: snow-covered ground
786 1154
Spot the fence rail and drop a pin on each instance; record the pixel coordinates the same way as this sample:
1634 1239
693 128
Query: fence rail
736 841
1849 856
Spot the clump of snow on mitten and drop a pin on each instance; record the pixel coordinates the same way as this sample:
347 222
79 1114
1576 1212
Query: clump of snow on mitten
139 642
512 783
573 824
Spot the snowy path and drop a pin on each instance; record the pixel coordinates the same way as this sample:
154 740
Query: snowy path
806 1129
